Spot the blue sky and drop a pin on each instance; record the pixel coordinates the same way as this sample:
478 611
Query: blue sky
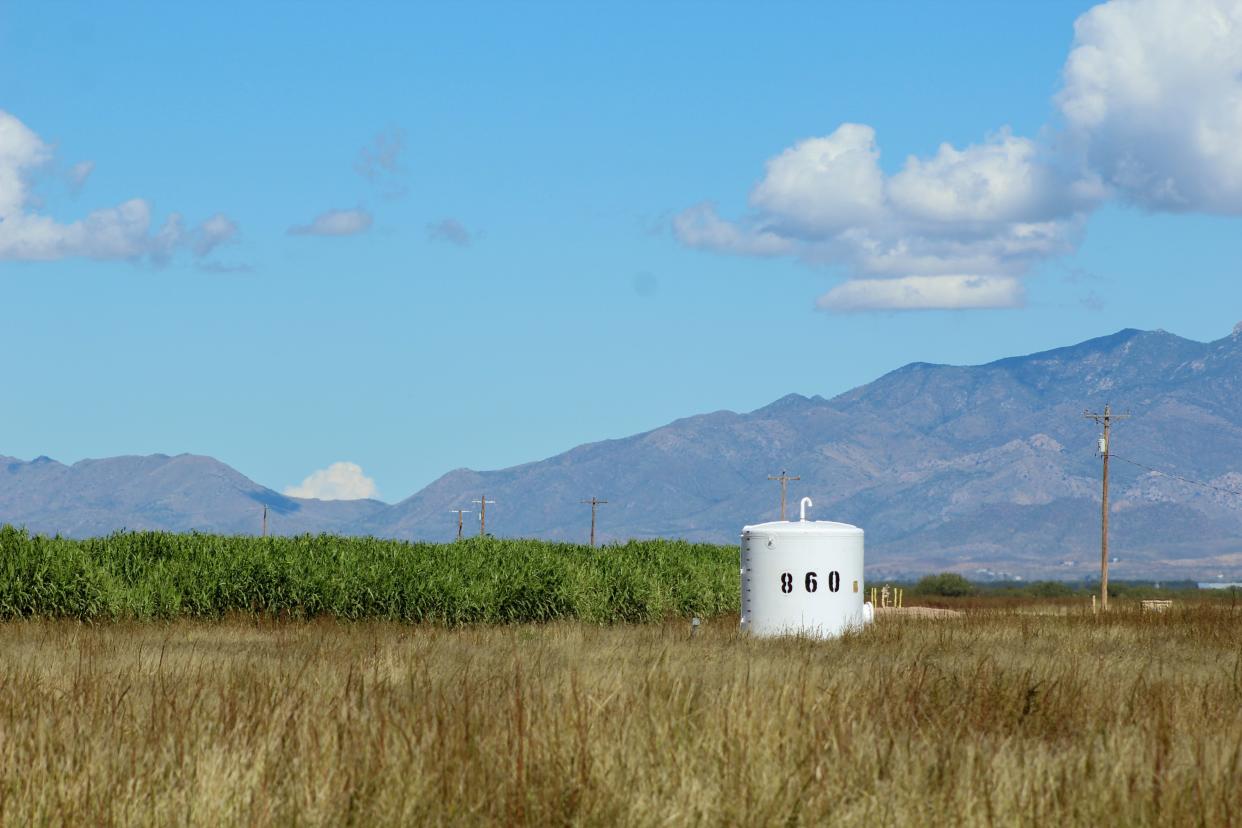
419 237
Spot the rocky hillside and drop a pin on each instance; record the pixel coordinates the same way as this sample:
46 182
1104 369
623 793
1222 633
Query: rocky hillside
988 467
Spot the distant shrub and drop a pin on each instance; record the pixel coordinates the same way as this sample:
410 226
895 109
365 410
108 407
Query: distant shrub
1134 591
1049 589
948 584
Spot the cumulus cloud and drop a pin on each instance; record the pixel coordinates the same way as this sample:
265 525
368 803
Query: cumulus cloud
950 231
120 232
450 230
1152 107
823 185
1006 179
21 151
335 223
339 481
1153 95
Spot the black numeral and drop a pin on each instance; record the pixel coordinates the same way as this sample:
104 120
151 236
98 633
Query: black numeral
812 582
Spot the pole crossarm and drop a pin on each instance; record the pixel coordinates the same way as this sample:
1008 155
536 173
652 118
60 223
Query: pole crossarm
784 478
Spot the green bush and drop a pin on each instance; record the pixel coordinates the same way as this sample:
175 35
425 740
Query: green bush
1049 589
948 584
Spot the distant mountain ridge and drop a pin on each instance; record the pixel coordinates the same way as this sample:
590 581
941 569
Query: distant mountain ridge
95 497
987 468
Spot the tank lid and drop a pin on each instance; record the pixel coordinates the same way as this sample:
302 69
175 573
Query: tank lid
802 527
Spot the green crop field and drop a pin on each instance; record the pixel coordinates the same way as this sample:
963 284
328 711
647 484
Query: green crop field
146 575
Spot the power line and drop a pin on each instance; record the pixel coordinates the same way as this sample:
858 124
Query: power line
1178 476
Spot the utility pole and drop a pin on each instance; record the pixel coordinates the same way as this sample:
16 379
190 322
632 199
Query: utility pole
459 512
1106 420
482 501
784 478
265 521
594 501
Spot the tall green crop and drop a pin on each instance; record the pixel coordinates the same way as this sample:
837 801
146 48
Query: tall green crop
484 580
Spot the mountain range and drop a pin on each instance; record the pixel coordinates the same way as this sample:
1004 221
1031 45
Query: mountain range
990 470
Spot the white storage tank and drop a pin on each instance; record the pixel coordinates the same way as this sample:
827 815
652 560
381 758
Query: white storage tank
803 578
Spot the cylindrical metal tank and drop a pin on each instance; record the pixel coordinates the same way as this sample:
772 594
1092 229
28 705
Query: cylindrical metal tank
802 577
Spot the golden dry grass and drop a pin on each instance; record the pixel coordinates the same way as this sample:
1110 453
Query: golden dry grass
986 720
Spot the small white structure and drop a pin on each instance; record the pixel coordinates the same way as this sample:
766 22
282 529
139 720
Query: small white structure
803 578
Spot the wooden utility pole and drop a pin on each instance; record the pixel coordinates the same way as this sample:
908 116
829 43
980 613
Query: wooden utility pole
459 512
482 501
1106 420
594 501
265 521
784 478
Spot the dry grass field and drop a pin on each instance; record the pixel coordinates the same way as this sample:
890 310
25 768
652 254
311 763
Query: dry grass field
991 719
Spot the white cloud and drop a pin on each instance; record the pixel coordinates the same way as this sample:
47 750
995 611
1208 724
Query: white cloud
21 152
978 217
171 236
339 481
924 293
822 185
215 231
335 223
1153 96
1152 103
78 174
120 232
701 227
1004 179
450 230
